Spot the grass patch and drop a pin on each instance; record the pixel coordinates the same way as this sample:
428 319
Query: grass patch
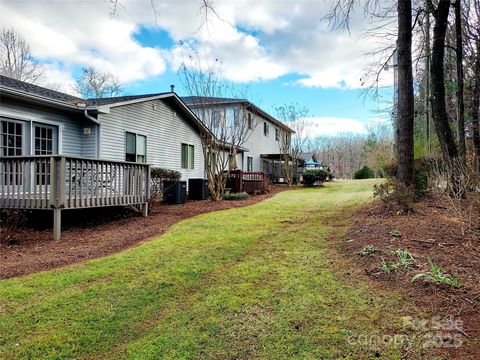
255 282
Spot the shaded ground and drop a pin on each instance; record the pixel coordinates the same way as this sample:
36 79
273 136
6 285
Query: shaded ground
249 283
432 231
88 238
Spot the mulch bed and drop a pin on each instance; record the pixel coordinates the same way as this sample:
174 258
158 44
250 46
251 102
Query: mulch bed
431 231
102 234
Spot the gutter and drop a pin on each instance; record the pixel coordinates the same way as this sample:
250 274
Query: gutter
91 118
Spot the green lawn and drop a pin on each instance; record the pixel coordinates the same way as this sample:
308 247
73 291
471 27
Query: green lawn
255 282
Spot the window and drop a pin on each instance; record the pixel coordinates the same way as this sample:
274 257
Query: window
43 140
250 121
236 117
136 148
218 118
188 155
249 163
277 134
266 129
11 136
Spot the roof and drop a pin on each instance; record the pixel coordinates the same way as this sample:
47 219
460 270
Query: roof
205 101
121 99
10 83
73 103
310 155
27 88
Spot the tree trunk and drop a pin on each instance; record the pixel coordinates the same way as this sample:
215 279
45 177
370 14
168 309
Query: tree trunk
475 108
460 101
437 76
405 106
427 75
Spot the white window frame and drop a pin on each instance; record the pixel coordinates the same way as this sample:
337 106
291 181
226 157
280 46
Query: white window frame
29 120
190 161
136 153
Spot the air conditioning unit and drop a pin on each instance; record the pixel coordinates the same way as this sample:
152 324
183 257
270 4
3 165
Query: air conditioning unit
198 189
175 192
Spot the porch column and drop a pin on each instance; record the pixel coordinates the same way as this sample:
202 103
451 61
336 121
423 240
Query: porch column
57 224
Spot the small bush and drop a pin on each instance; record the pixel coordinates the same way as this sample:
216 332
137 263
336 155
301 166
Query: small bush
236 196
364 173
395 195
421 176
10 222
157 178
312 177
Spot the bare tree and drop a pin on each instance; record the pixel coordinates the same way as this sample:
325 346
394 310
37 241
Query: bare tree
16 60
228 127
93 84
291 146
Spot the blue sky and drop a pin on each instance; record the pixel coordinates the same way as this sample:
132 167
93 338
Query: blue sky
321 102
281 53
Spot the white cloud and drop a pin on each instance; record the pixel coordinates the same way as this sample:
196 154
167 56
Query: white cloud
328 126
255 41
83 34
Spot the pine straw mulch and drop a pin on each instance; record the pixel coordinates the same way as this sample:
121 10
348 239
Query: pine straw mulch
431 231
93 233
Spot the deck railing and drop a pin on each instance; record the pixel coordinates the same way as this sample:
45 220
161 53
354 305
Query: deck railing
250 182
65 182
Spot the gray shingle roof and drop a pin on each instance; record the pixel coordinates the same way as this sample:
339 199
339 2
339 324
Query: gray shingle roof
118 99
37 90
28 88
203 100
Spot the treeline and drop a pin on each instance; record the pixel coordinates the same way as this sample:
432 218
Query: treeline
346 153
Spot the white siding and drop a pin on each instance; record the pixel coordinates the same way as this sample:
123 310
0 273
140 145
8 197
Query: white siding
258 144
164 128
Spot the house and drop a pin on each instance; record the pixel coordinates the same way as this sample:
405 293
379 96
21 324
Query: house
311 162
262 146
62 152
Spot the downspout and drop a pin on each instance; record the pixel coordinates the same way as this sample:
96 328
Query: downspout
91 118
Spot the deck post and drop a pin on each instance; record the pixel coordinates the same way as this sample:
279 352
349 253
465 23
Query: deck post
145 210
57 224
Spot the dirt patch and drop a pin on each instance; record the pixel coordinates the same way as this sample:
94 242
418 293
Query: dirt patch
82 240
431 232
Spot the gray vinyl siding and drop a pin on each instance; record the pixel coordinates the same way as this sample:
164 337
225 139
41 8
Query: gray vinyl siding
89 142
73 142
164 128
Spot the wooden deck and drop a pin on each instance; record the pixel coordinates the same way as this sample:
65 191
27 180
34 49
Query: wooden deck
65 182
250 182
